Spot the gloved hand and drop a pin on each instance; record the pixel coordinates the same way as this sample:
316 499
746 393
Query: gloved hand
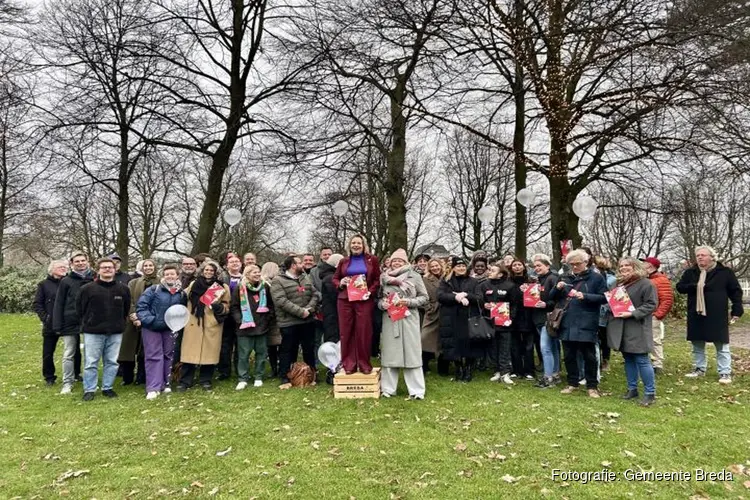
217 308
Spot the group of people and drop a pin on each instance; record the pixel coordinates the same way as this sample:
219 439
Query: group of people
468 315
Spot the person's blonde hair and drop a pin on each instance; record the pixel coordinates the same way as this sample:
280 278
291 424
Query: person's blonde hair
711 251
440 263
602 263
365 246
578 254
543 258
249 268
269 271
55 263
638 268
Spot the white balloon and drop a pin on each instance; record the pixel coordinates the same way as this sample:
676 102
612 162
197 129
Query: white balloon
340 208
330 355
486 214
232 216
525 197
176 317
585 207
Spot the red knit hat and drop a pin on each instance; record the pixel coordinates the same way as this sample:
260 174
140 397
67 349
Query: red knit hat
653 261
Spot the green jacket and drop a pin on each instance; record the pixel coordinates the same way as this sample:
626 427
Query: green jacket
291 296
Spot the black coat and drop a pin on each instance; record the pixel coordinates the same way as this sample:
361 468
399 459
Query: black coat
454 319
524 320
44 302
548 282
328 303
580 322
65 319
263 321
103 307
721 288
499 290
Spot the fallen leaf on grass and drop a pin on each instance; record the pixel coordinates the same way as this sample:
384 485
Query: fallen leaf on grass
465 473
315 445
224 452
50 456
606 464
290 481
213 491
493 455
460 447
70 474
737 469
629 454
196 484
746 484
611 414
426 474
334 452
510 479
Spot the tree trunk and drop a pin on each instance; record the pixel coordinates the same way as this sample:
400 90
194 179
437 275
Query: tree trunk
123 201
519 146
562 195
210 211
3 191
394 182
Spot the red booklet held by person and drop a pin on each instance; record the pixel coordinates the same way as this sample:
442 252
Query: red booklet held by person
532 295
619 301
357 290
212 294
500 312
396 312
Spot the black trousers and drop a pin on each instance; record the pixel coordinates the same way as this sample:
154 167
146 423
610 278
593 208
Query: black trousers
187 374
501 351
49 344
588 349
273 359
522 353
604 349
229 352
292 337
134 371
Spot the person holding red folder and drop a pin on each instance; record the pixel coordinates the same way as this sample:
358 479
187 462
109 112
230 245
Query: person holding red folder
357 278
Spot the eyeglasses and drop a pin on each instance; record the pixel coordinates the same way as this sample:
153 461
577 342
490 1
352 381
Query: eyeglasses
188 263
105 268
576 263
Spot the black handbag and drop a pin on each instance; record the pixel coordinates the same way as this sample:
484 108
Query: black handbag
555 317
480 328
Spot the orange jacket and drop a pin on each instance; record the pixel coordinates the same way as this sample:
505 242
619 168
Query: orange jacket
664 293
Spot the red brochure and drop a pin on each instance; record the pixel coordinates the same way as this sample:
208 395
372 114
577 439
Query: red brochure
532 295
212 294
357 290
619 301
500 312
394 311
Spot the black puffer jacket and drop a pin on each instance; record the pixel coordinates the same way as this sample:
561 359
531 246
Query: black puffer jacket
328 303
44 302
65 319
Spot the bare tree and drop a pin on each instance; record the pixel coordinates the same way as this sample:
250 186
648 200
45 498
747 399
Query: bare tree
99 92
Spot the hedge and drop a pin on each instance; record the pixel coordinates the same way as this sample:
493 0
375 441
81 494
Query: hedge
18 287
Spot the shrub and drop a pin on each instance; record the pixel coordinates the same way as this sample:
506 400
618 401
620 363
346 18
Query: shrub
18 287
679 308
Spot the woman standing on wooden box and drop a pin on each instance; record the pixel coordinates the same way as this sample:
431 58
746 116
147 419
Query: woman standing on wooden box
400 341
356 304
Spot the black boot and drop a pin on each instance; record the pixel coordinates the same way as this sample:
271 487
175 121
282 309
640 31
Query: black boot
459 372
468 369
631 394
648 399
443 366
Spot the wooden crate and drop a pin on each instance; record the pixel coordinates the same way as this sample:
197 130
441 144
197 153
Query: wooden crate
357 385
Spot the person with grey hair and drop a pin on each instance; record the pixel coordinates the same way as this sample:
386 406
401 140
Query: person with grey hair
550 347
44 305
710 287
66 322
581 293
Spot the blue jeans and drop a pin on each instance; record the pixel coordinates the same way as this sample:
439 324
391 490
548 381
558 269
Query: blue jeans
550 352
106 348
723 357
639 364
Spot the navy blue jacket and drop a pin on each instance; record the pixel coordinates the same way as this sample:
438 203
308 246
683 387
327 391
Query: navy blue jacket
581 320
153 305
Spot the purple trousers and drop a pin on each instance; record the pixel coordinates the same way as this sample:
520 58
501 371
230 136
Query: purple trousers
158 349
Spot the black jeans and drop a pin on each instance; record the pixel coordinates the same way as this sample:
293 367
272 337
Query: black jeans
291 339
501 351
229 351
187 374
129 372
588 349
522 353
49 344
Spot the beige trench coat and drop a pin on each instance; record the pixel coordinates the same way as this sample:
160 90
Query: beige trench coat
431 323
201 343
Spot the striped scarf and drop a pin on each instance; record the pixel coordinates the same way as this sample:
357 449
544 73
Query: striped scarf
247 314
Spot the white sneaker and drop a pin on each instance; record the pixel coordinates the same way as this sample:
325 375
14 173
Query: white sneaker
582 382
507 380
66 388
241 386
167 390
258 383
152 395
697 372
497 376
725 379
529 377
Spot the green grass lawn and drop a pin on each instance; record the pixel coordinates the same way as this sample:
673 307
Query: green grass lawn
481 440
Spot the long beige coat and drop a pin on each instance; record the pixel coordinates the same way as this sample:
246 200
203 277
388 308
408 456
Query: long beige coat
400 344
201 343
431 322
